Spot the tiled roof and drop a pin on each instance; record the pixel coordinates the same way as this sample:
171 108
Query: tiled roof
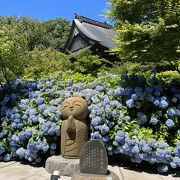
101 33
91 21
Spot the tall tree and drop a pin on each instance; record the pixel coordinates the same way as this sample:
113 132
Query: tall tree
57 31
12 55
46 34
147 31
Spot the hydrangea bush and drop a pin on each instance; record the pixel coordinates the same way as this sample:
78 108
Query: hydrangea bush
130 115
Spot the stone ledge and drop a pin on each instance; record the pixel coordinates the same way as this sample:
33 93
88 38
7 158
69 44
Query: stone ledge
82 176
66 167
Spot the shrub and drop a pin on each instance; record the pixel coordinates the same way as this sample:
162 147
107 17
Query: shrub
135 117
130 68
168 76
46 62
87 63
12 55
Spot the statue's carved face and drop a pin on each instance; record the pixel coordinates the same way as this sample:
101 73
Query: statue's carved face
75 106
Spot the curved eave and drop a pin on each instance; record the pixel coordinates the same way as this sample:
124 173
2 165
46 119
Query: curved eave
85 31
98 34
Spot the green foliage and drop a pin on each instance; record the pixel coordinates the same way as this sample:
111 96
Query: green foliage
86 63
46 62
26 40
139 11
147 31
129 68
132 10
51 33
57 31
168 76
151 42
12 55
145 133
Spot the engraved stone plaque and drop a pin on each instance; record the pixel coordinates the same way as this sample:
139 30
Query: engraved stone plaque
93 158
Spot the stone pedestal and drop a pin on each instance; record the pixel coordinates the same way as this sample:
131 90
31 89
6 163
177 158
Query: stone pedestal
66 167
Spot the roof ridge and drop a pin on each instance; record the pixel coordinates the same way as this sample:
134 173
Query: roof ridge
91 21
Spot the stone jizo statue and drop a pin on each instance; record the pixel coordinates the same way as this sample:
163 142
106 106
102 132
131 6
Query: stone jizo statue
74 130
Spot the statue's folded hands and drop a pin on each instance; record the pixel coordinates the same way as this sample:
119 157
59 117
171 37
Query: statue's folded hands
71 126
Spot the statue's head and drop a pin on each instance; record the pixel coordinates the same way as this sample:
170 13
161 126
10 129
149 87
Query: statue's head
75 106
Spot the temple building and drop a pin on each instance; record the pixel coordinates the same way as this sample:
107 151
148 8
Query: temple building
90 34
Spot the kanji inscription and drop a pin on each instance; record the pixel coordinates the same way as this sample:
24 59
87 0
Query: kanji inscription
93 158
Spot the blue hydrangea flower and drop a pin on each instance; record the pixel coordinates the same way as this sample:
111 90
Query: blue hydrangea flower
105 138
2 149
53 146
5 100
134 97
100 88
130 103
128 118
163 104
174 99
135 149
104 129
40 101
162 169
153 120
110 92
156 102
148 89
173 165
162 144
170 123
142 118
119 91
177 111
135 132
38 160
171 112
7 157
115 143
176 160
159 113
127 92
21 152
44 147
178 131
96 135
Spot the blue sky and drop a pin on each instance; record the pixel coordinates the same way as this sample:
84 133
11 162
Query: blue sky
50 9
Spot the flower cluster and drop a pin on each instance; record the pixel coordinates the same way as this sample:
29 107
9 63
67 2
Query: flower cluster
139 120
